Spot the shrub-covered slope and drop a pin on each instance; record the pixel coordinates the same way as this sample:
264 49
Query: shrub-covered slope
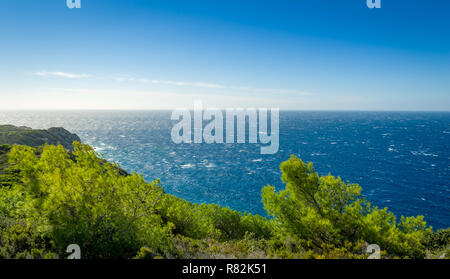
26 136
51 197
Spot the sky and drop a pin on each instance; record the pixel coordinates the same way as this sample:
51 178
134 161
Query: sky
164 54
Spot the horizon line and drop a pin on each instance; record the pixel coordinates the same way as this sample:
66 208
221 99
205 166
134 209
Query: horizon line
285 110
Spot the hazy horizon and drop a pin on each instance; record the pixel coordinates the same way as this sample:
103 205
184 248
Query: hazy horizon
140 55
167 109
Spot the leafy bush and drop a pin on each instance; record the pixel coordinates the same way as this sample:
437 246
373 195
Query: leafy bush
325 210
88 203
56 197
21 241
438 240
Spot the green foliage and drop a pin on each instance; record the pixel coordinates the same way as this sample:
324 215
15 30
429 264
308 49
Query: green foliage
210 221
4 149
77 197
12 202
185 218
52 197
248 247
10 134
145 253
88 203
21 241
438 240
325 210
7 178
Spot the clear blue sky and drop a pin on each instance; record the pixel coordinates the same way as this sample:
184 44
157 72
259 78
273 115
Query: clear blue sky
160 54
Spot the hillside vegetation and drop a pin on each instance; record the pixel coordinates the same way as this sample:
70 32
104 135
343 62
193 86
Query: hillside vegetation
52 197
11 135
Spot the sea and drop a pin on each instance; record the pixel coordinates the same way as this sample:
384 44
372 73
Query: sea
400 159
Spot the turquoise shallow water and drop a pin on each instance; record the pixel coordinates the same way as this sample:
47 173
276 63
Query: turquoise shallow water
401 159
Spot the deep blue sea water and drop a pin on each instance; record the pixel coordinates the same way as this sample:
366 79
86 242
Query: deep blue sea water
401 159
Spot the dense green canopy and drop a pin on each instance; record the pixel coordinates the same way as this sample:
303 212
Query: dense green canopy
52 198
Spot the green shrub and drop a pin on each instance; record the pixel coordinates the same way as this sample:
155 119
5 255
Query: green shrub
86 202
55 198
326 210
437 240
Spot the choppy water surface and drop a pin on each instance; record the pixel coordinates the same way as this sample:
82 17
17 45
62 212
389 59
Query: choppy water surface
402 160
